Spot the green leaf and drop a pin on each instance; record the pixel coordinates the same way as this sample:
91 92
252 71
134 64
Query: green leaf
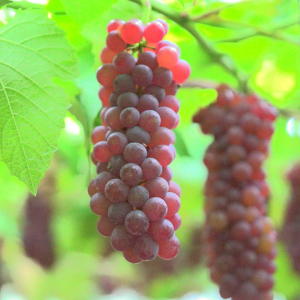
84 11
4 2
181 3
32 108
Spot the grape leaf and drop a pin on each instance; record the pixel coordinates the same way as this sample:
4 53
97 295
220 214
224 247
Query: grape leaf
32 107
84 11
4 2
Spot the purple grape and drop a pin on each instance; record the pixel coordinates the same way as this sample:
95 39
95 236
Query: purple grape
131 174
135 153
151 168
118 211
116 190
121 239
136 222
138 196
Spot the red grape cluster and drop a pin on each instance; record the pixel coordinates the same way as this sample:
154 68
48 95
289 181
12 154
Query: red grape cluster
291 228
240 239
133 192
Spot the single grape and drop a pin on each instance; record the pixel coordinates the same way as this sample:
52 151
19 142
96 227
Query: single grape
167 57
167 116
142 75
175 220
121 239
162 136
124 83
162 153
148 59
155 209
127 100
114 42
98 134
132 31
154 32
171 89
162 76
131 174
105 226
157 187
115 164
117 142
114 25
157 91
138 196
146 248
167 174
161 230
113 98
124 62
171 102
181 71
118 211
147 102
104 95
116 190
101 167
130 117
138 135
99 204
173 203
162 44
150 120
164 23
102 152
135 153
92 188
131 256
112 118
151 168
102 179
136 222
106 75
169 249
107 55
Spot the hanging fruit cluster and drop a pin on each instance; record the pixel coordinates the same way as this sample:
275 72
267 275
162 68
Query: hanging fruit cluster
133 193
291 228
240 239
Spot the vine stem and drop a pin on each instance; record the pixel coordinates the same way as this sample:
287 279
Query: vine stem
185 22
147 10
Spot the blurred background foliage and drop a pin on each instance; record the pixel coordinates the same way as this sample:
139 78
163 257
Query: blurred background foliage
253 45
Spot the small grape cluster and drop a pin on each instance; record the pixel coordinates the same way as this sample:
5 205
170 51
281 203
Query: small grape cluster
291 227
133 193
240 239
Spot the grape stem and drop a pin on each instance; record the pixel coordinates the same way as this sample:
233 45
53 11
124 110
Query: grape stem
185 22
216 11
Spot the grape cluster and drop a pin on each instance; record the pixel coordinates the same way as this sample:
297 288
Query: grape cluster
240 239
133 193
291 228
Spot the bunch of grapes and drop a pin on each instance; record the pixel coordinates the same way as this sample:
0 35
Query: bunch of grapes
37 236
240 239
291 228
133 192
